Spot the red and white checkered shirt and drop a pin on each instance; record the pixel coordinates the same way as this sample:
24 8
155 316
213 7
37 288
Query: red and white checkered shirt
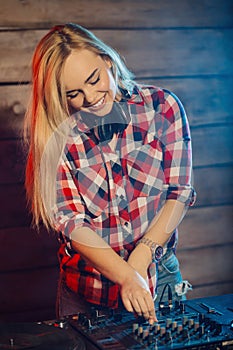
117 192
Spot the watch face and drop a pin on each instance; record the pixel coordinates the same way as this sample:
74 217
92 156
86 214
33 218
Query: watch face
158 253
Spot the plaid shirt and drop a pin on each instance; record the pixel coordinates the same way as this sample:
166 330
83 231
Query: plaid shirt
117 193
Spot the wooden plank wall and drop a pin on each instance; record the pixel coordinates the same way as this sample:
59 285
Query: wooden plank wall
181 45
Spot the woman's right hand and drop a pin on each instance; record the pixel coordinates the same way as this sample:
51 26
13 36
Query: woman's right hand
134 289
136 297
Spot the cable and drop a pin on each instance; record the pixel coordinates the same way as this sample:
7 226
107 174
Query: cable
162 305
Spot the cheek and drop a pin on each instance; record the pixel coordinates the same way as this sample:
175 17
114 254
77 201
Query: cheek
73 105
108 83
112 84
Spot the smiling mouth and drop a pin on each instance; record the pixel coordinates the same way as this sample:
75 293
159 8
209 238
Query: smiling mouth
98 105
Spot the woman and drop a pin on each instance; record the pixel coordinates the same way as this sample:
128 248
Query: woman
109 169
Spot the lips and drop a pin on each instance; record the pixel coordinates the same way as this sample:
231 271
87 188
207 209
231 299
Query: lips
98 105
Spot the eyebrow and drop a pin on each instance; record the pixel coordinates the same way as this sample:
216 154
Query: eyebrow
86 81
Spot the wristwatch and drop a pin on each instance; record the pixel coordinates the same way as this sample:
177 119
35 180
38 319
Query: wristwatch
156 249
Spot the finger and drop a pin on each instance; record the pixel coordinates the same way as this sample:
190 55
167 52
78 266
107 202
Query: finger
140 306
149 312
150 304
137 307
152 320
152 316
127 304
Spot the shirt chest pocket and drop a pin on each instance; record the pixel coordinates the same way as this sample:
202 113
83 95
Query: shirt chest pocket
144 170
92 184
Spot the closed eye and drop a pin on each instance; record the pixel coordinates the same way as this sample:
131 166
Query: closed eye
72 94
95 81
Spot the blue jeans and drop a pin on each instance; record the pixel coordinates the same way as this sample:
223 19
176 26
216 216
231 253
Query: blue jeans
69 303
169 273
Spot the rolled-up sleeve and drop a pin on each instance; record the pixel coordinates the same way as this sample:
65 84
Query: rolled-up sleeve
69 211
177 151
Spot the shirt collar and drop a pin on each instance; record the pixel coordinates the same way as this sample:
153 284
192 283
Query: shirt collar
134 96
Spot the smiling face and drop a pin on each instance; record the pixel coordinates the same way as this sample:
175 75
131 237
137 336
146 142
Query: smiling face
89 82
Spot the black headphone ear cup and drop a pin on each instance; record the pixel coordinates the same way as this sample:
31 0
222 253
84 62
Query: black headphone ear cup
112 123
105 132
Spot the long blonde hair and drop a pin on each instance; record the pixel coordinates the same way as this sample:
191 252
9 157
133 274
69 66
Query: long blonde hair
48 104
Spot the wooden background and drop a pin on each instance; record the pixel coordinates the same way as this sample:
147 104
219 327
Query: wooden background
182 45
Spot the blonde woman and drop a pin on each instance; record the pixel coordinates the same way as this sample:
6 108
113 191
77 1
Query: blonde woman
109 168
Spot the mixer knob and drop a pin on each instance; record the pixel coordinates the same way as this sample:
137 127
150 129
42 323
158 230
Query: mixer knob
196 326
185 334
168 322
151 327
162 331
201 318
179 328
185 320
174 325
212 324
191 322
168 337
150 338
140 331
156 328
218 329
135 328
145 333
207 321
201 331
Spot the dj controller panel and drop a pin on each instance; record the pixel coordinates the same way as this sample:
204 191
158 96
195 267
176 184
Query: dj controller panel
204 323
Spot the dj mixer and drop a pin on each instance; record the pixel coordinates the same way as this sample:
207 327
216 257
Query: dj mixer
204 323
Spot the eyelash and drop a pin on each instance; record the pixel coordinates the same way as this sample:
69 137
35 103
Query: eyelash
96 81
76 93
73 96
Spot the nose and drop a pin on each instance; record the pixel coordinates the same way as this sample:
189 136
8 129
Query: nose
89 95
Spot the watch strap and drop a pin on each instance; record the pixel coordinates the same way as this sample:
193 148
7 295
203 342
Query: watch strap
153 247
